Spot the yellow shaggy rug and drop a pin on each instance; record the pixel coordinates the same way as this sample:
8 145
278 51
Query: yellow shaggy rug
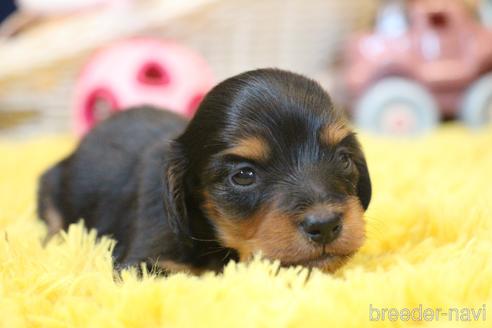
427 260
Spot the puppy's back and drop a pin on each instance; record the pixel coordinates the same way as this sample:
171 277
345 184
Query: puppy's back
98 181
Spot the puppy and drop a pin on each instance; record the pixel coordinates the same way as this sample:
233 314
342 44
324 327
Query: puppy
266 165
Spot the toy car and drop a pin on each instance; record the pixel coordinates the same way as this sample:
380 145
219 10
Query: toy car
485 12
426 60
137 72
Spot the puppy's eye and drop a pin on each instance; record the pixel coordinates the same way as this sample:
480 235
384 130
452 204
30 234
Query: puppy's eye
245 176
345 159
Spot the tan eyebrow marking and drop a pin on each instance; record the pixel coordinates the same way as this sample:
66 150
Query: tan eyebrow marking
334 132
255 148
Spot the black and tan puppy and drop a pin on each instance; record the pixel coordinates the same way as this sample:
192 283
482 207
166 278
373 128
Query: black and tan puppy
266 165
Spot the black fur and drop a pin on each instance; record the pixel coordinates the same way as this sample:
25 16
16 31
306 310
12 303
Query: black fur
132 179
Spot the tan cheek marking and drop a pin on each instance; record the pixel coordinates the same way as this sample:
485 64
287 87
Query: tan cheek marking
233 234
273 234
334 132
278 237
251 147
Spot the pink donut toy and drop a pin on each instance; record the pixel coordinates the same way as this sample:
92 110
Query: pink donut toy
136 72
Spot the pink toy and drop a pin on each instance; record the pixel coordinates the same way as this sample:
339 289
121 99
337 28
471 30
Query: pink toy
423 61
136 72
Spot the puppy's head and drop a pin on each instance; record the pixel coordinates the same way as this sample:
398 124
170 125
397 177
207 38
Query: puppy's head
273 167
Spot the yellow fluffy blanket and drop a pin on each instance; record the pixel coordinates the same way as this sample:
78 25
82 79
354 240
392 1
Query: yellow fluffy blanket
429 247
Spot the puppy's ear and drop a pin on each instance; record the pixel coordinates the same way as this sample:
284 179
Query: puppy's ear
175 190
364 188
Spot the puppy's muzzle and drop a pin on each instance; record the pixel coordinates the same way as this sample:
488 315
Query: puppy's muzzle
322 227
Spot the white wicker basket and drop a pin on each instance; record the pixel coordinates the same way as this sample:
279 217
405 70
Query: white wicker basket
38 68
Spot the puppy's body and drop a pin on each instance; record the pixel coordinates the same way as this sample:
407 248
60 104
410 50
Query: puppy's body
266 165
114 178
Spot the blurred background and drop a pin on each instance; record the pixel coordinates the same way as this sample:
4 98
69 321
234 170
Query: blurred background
399 68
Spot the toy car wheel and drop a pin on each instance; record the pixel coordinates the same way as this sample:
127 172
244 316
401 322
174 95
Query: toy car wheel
485 12
476 110
396 106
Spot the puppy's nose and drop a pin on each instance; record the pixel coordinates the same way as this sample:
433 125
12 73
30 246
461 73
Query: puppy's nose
322 229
